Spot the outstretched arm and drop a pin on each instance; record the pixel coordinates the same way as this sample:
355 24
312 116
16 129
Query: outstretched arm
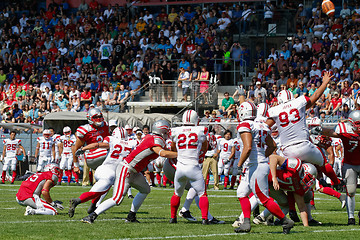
317 94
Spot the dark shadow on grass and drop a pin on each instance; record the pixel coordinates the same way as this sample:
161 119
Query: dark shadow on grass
332 224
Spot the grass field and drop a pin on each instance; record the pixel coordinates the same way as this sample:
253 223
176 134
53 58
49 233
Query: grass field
154 216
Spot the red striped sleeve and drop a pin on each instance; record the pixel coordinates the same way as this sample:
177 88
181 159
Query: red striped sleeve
107 140
307 99
244 127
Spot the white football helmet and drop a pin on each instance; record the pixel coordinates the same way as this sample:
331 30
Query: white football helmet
274 131
161 128
54 168
120 133
285 96
190 117
247 110
314 122
262 109
354 118
67 131
47 134
95 117
309 174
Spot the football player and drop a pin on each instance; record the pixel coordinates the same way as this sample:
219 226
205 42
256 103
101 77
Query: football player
129 173
289 117
9 155
45 150
235 169
349 133
258 146
56 138
40 183
190 142
93 132
119 147
210 162
66 144
226 153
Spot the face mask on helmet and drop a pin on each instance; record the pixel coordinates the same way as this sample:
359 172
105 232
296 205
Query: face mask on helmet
307 181
97 120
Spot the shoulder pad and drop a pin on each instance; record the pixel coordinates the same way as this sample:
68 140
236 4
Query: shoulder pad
294 163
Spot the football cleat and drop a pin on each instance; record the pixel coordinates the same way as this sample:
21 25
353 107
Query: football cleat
351 221
29 211
244 227
187 215
313 222
216 221
73 203
205 222
287 224
92 208
238 221
259 220
131 218
173 220
342 199
89 219
293 215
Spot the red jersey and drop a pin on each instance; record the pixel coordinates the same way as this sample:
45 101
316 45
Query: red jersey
143 155
351 148
289 178
34 184
90 134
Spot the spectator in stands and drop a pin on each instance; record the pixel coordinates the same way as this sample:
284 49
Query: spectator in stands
134 86
184 83
62 102
260 91
85 96
123 98
226 104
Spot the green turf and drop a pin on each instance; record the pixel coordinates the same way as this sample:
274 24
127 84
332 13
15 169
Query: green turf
154 216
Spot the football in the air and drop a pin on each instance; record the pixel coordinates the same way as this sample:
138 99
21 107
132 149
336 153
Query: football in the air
328 8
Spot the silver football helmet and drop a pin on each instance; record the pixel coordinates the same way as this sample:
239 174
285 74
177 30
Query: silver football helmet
95 117
161 128
354 118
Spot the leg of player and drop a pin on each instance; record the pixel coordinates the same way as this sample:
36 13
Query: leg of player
254 203
121 186
205 168
234 173
331 192
138 182
129 193
5 168
220 169
214 170
13 169
227 168
243 191
259 185
350 174
185 211
180 182
307 198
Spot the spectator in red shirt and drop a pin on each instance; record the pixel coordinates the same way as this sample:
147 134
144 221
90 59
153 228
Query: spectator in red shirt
94 5
85 96
346 88
335 104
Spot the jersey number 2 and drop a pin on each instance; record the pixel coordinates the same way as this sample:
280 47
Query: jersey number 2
189 142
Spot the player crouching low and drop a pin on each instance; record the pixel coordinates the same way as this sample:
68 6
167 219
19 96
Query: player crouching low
37 185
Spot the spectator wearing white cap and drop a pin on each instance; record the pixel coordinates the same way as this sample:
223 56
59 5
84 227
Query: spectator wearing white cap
112 125
260 90
138 62
337 62
129 130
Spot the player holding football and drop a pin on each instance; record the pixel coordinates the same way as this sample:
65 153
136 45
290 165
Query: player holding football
289 116
349 133
45 150
258 146
128 172
36 185
9 155
93 132
66 144
119 147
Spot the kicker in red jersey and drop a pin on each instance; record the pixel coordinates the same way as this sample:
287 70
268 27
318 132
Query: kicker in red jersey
351 143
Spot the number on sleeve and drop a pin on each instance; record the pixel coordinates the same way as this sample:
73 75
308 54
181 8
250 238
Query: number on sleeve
353 145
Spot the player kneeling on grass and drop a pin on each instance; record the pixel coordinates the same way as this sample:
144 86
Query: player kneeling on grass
128 172
37 185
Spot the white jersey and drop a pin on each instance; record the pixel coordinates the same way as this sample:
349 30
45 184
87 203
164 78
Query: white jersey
45 146
212 145
188 141
238 147
68 142
261 119
225 147
290 120
118 150
259 132
336 142
56 138
11 147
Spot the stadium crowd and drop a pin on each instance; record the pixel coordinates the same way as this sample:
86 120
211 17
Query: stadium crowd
63 59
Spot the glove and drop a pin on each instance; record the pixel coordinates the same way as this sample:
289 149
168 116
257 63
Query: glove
57 205
316 130
79 152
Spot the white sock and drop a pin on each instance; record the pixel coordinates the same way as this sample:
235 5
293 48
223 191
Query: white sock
129 191
101 199
138 200
253 203
109 203
189 199
350 206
